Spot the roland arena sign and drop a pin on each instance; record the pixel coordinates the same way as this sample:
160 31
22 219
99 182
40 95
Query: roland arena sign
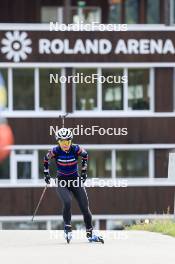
45 46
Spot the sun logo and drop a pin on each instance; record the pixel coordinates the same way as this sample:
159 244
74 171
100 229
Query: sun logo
16 46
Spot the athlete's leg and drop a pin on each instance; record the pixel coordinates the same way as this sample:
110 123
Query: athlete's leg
66 198
82 199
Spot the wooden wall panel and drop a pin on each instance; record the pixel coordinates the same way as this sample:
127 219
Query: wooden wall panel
130 200
142 11
164 89
162 10
161 163
69 92
19 11
141 130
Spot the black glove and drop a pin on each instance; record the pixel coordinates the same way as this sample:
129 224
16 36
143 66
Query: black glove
83 175
47 177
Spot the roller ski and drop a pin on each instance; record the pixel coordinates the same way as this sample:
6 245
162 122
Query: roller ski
94 238
68 233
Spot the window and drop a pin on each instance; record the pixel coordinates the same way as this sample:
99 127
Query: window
110 162
115 89
126 11
131 11
24 169
23 165
86 93
24 225
112 93
132 163
4 84
50 93
99 164
23 151
5 169
86 14
50 13
79 225
23 89
31 89
115 12
138 89
153 11
56 224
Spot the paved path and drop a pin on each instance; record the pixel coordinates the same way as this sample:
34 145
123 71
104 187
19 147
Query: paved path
122 247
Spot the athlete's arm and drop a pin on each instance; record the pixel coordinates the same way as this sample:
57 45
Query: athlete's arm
50 155
84 157
84 161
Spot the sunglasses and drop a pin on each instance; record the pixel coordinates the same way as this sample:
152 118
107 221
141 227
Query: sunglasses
64 141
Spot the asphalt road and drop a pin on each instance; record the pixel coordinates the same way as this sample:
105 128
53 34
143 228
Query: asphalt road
49 247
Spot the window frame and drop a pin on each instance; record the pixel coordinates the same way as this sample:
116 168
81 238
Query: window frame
35 181
60 12
125 95
150 164
159 15
9 111
172 12
12 90
15 158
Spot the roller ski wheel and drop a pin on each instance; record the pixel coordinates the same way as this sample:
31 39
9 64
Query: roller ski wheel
97 239
94 238
68 238
68 233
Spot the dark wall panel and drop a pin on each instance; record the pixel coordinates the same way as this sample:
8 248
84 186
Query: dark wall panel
19 11
162 10
141 130
164 89
5 11
161 163
130 200
69 92
142 11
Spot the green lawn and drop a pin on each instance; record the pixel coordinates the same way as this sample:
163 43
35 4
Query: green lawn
166 227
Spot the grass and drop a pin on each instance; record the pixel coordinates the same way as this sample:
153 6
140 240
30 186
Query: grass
166 227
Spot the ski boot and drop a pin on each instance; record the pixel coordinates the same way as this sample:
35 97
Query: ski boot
94 238
68 233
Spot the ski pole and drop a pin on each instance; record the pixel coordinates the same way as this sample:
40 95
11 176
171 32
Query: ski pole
63 118
40 200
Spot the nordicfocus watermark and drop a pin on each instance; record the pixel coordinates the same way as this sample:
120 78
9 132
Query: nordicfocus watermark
93 182
80 234
84 78
80 130
81 26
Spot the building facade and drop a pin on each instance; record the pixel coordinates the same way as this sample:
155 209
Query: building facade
36 64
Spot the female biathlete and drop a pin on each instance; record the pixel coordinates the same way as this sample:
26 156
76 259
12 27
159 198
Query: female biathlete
69 181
